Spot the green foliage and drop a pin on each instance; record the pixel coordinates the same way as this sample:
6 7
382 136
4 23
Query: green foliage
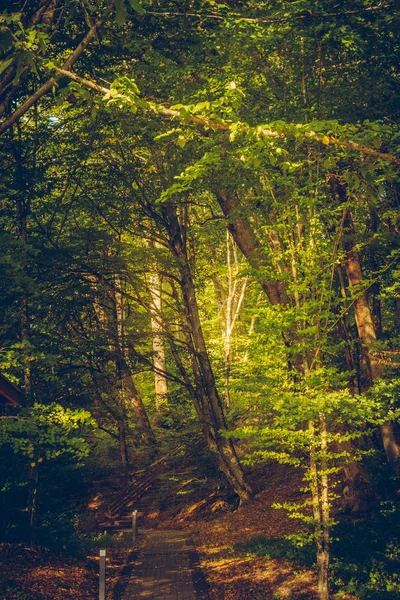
261 101
271 548
44 433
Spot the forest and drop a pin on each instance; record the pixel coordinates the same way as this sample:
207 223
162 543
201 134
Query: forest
199 266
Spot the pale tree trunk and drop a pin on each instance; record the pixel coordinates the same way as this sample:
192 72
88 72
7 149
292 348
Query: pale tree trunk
323 587
206 397
252 328
363 314
243 233
320 506
159 351
234 301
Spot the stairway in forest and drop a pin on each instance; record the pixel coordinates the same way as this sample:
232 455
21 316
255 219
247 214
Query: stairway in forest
140 493
165 565
142 502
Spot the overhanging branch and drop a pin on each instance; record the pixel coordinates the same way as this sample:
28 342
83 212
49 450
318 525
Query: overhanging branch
223 126
50 83
237 17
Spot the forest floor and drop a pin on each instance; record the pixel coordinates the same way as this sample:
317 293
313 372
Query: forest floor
36 573
227 541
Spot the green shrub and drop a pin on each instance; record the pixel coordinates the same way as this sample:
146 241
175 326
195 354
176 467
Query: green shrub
287 548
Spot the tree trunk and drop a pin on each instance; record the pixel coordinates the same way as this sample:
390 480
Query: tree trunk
233 303
23 203
397 312
320 507
129 390
159 353
377 316
206 398
32 497
363 315
248 243
123 450
323 559
113 319
132 396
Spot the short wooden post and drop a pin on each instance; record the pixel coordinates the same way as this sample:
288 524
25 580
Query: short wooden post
102 585
134 526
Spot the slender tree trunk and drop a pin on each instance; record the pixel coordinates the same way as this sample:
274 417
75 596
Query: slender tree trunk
130 392
207 400
252 328
377 316
123 449
233 304
363 315
248 243
397 312
323 561
113 318
32 496
23 210
351 347
132 396
159 352
246 239
320 507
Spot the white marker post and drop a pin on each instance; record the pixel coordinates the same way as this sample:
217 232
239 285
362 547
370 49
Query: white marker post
102 585
134 526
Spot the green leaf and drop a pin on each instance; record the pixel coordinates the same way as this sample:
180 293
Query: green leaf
5 63
20 67
120 11
137 7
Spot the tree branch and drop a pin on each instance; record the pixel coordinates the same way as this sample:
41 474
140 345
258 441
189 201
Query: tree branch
223 126
46 87
308 15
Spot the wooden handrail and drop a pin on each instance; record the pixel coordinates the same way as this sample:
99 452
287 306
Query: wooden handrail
135 490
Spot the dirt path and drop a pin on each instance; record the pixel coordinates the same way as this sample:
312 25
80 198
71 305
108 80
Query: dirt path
166 568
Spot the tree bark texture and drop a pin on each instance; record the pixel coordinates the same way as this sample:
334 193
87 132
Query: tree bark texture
232 305
248 243
130 393
363 314
206 398
112 319
48 85
320 507
159 351
23 207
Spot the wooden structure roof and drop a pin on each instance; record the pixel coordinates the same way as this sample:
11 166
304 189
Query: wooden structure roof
9 393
